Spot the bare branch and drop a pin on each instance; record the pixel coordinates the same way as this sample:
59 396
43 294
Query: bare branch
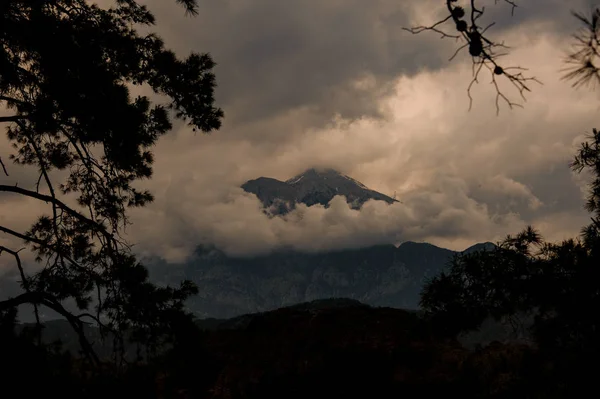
512 4
418 29
23 237
12 118
473 81
37 183
500 95
24 279
44 172
53 200
3 167
10 99
30 239
41 298
458 51
481 48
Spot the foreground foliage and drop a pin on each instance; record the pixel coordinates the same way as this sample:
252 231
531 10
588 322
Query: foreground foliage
67 72
314 351
557 286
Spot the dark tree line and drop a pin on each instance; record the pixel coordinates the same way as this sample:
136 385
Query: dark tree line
555 285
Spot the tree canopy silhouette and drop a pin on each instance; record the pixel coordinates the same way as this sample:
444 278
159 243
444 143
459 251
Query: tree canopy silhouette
557 285
67 70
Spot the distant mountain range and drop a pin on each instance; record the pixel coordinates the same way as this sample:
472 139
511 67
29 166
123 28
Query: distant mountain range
314 186
383 275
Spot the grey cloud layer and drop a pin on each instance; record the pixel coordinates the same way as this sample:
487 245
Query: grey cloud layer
463 176
274 56
279 56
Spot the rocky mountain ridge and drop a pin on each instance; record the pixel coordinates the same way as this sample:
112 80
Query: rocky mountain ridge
383 275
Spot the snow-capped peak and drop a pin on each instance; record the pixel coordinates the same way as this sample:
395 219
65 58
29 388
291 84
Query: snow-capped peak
295 179
314 186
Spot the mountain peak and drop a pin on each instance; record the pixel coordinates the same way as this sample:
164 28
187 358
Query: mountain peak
332 176
311 187
314 173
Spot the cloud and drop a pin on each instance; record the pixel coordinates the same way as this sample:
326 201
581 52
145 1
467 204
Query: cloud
339 84
237 225
274 57
462 176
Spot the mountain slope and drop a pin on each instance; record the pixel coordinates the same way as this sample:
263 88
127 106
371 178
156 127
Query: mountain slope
271 191
382 275
312 187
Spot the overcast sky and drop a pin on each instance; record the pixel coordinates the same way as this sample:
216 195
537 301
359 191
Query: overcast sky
338 83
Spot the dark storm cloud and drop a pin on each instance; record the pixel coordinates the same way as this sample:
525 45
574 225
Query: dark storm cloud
276 55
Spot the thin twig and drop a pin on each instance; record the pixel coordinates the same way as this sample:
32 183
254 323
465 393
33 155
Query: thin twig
24 279
3 167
